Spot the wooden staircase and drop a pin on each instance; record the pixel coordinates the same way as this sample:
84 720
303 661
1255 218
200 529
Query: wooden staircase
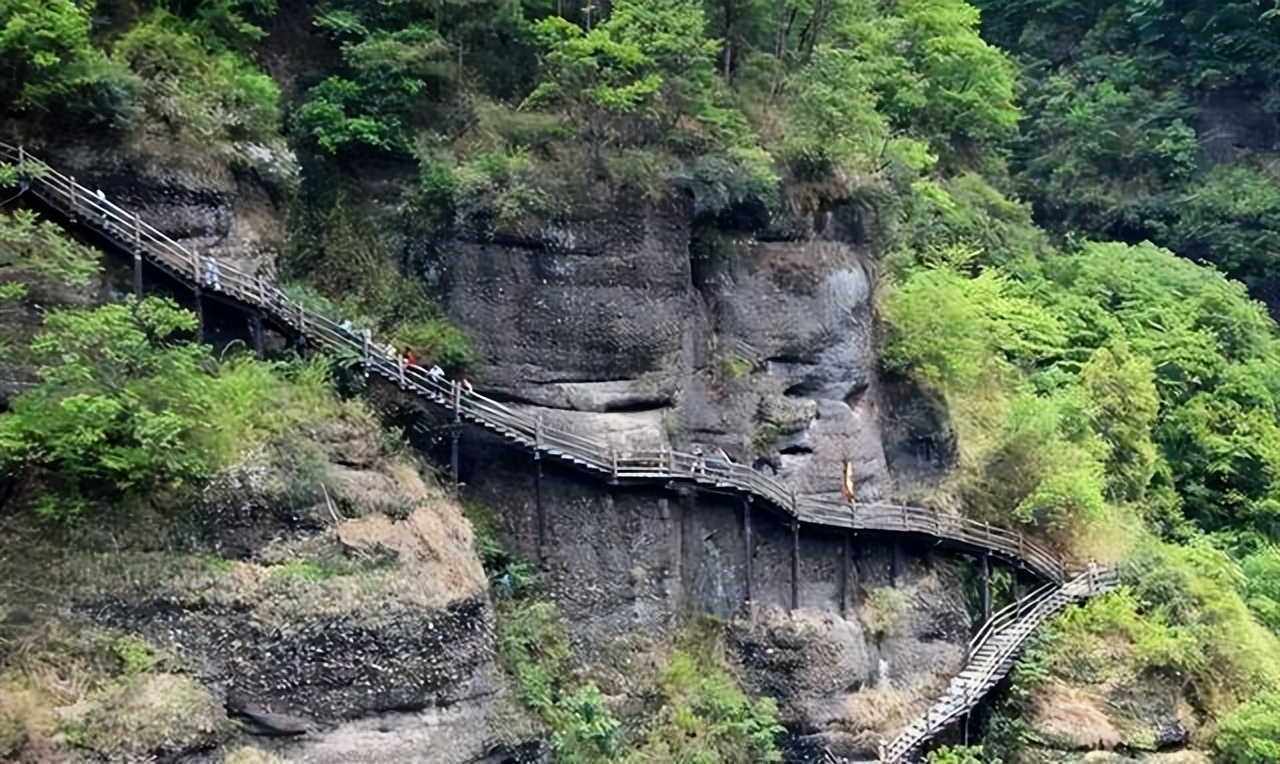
991 655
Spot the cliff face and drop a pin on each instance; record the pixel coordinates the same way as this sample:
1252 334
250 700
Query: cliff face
608 323
623 322
235 212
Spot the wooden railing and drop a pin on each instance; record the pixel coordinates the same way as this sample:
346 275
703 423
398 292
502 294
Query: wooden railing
991 654
126 228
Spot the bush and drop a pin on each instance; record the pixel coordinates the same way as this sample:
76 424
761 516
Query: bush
1176 607
1248 735
204 93
48 63
124 407
38 250
960 754
705 718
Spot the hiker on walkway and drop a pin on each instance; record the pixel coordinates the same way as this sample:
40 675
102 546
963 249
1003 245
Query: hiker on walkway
1093 574
721 464
699 461
211 274
407 359
436 373
766 464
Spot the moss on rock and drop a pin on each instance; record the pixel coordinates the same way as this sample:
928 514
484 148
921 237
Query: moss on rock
151 714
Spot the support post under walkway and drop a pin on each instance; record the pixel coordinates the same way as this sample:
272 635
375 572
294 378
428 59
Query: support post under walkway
795 566
538 508
199 314
457 430
255 329
747 542
985 570
846 565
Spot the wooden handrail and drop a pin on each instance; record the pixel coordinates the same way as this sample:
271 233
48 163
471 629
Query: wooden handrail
63 193
991 655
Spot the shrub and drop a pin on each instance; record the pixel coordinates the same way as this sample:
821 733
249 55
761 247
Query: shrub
706 719
48 63
960 754
37 249
124 407
204 93
1248 735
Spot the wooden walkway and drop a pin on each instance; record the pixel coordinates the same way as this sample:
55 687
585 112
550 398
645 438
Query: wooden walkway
258 296
991 655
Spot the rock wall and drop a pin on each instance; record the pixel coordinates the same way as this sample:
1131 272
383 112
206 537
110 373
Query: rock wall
195 196
325 621
600 325
625 565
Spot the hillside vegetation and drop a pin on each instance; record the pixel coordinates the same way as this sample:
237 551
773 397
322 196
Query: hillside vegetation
1077 207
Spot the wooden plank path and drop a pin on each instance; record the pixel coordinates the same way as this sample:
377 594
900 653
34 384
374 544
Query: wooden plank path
144 242
991 655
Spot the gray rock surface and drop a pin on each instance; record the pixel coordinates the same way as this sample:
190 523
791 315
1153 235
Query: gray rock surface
195 199
625 562
769 350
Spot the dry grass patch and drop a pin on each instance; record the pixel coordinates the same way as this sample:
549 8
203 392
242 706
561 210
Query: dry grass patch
883 710
91 688
1069 717
150 713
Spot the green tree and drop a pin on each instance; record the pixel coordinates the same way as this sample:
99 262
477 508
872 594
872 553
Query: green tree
33 249
1124 405
49 64
201 91
643 71
393 59
119 405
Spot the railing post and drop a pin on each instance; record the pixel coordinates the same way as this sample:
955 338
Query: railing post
137 230
537 434
613 456
72 194
137 275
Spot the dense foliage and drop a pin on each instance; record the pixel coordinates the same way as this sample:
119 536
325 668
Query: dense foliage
125 407
1153 120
